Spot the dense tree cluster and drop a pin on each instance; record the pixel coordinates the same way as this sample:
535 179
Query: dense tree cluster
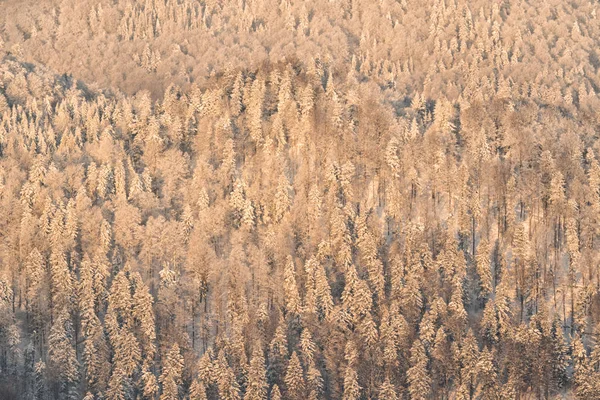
413 216
431 46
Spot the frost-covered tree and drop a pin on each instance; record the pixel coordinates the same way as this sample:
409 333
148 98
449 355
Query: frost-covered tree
170 377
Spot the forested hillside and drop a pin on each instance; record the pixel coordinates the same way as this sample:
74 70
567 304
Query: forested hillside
412 215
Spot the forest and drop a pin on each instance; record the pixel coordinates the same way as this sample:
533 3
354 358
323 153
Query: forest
299 200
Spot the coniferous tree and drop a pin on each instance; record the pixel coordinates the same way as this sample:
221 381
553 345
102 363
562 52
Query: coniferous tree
419 381
257 379
387 391
170 378
294 378
62 356
275 393
278 352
